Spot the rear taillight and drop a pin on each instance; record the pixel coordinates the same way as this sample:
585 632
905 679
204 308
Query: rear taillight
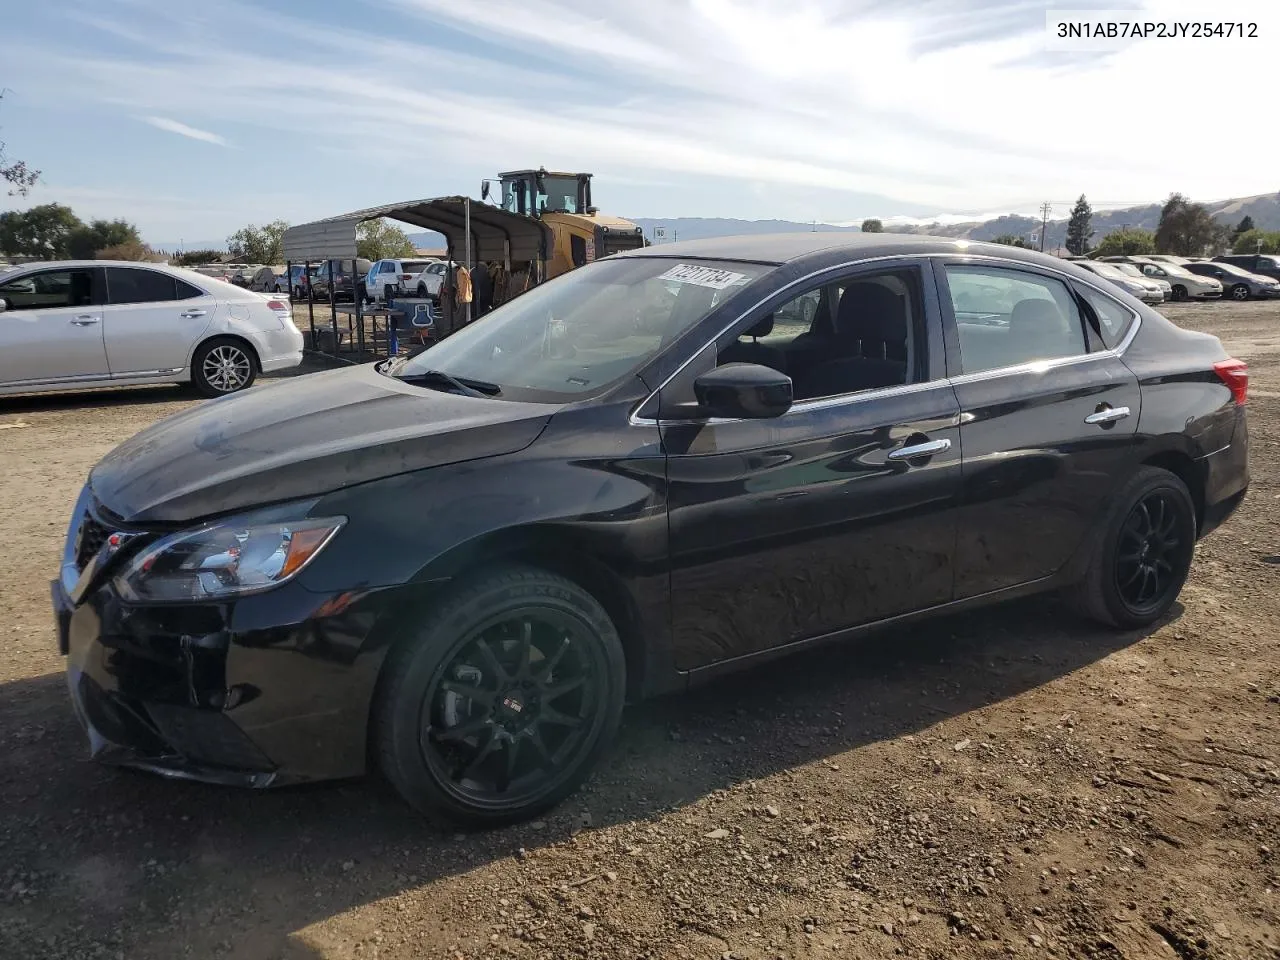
1235 374
406 276
277 305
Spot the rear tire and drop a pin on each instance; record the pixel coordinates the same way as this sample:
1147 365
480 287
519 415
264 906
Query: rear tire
499 704
222 366
1142 552
1240 292
422 291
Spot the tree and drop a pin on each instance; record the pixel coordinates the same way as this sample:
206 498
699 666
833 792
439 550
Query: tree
192 258
16 173
1244 226
86 242
127 250
1257 241
1185 228
1080 227
1011 240
1128 241
263 244
379 240
41 232
872 226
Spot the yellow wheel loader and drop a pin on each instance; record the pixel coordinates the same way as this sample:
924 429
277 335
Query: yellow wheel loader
562 201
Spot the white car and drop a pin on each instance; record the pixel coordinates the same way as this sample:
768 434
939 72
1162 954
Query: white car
1184 284
1148 291
406 276
74 325
1131 270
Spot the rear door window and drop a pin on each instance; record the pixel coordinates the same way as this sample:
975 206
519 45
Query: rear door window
1007 317
133 285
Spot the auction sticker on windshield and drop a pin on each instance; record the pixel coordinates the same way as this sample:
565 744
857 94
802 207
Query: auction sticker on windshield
703 276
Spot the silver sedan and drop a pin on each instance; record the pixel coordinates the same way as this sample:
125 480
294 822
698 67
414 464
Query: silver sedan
80 324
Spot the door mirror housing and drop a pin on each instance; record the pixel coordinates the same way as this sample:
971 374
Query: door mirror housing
743 390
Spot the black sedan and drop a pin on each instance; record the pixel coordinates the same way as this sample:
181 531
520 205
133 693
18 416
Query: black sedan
666 464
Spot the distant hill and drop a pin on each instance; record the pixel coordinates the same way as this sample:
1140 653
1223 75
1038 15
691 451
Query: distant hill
702 228
1264 208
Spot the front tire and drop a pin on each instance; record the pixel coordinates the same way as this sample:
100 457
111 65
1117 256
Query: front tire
1239 292
1179 292
498 705
223 365
1143 552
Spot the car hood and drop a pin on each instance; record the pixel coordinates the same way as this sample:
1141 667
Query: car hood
302 437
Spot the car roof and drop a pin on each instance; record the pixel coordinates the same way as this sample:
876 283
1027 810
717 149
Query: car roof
780 248
71 264
193 277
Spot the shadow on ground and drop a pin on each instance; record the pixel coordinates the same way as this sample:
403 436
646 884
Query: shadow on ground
142 864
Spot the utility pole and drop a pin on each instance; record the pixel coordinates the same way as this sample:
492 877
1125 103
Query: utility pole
1044 221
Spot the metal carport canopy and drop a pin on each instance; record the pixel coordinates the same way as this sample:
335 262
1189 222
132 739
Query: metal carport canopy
492 229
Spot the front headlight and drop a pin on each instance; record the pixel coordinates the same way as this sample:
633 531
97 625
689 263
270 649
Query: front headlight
229 558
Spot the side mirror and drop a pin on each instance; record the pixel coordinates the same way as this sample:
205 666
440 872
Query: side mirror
743 390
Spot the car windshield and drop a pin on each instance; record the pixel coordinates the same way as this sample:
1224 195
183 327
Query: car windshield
1128 269
580 333
1233 269
1174 270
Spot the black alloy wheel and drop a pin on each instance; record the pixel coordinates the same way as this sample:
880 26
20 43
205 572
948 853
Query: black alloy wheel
499 706
1143 552
512 709
1150 553
1179 292
1240 292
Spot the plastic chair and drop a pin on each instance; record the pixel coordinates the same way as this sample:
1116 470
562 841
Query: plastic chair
423 321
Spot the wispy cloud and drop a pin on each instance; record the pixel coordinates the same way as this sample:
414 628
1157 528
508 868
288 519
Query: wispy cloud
827 109
194 133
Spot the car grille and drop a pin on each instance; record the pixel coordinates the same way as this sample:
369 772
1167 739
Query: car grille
89 540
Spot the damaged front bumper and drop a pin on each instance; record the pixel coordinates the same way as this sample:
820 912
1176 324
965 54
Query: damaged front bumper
271 690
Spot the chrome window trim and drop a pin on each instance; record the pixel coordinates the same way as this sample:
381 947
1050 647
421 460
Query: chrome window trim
819 403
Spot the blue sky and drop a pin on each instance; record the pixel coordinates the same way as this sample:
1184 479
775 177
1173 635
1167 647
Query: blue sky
194 119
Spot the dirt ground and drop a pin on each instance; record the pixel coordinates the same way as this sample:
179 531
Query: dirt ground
1014 782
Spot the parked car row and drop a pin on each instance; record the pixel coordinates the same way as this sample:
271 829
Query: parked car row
1155 277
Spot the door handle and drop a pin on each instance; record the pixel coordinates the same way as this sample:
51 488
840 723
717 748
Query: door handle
920 450
192 314
85 321
1110 415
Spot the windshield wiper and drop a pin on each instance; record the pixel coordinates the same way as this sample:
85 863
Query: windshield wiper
472 388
